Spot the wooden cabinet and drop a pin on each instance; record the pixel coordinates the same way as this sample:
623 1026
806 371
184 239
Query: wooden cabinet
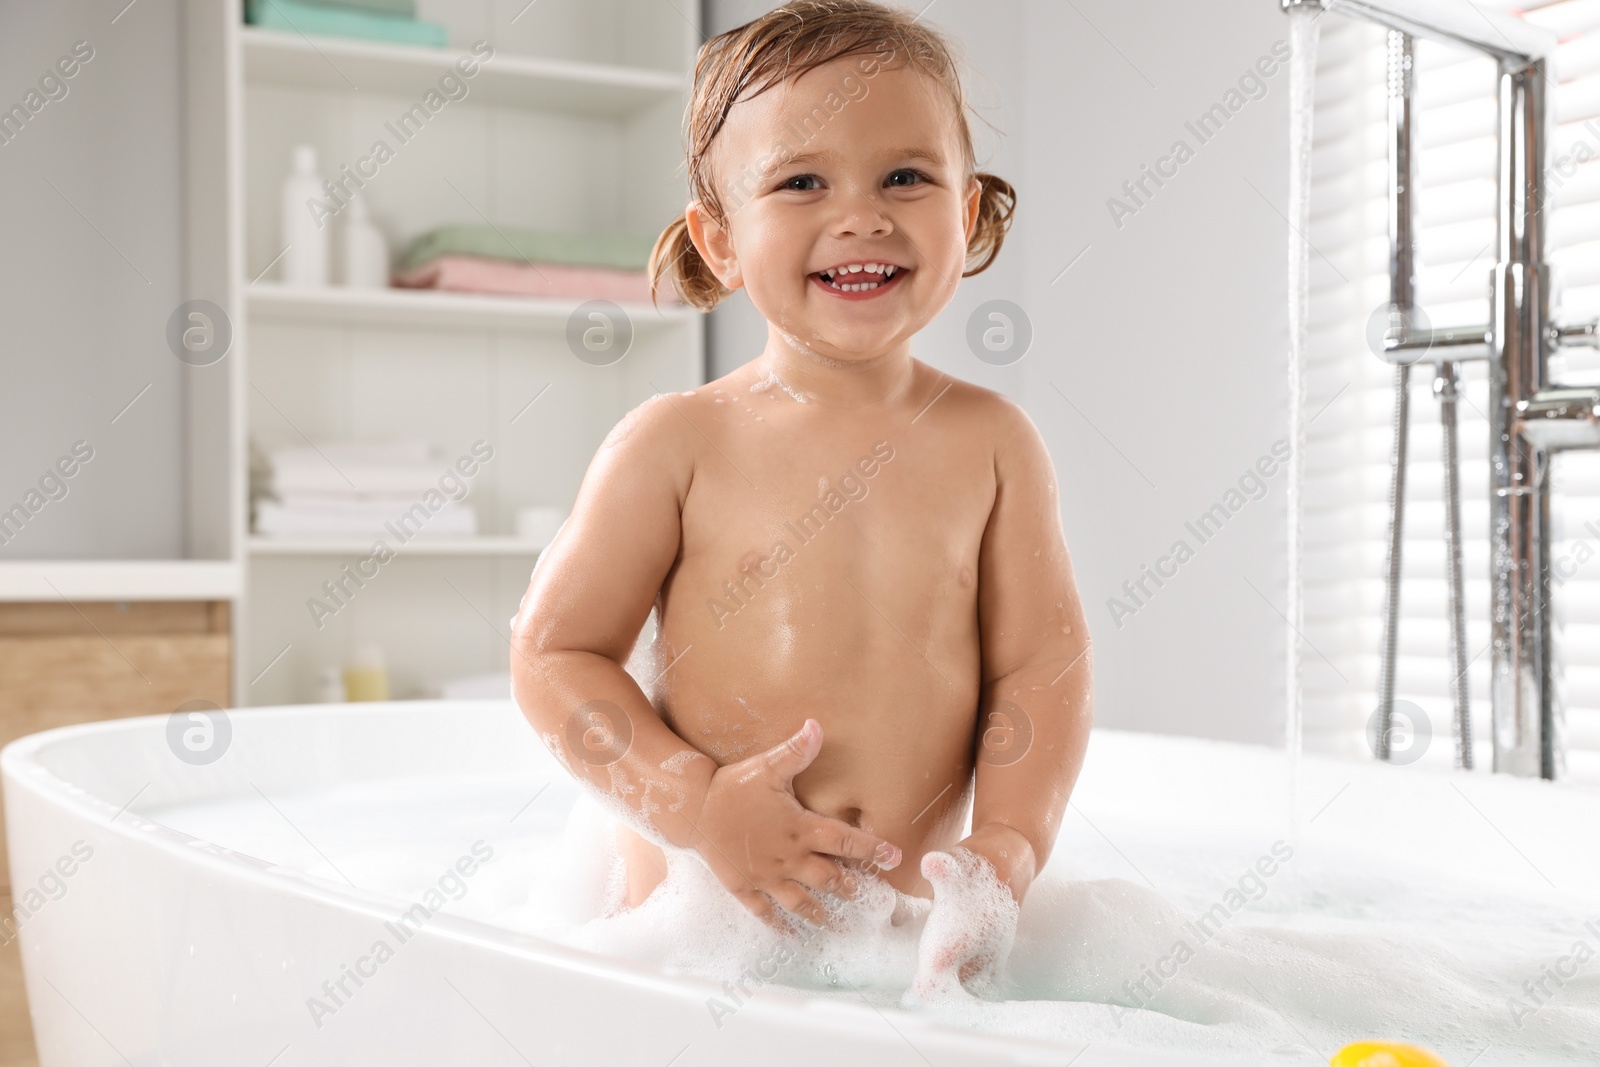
63 663
69 662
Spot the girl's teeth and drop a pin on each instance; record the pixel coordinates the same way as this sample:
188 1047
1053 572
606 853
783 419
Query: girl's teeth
853 288
888 272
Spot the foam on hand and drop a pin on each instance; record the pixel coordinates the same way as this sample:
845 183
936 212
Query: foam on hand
971 926
691 922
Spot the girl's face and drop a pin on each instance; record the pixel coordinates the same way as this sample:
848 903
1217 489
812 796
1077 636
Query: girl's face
850 164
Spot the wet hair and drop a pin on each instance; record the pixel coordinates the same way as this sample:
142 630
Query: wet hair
782 45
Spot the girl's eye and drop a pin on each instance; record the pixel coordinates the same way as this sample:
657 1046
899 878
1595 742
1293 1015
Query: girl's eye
904 172
902 178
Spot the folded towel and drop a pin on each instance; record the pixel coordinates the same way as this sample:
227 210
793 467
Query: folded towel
474 274
455 520
374 507
406 9
402 451
351 479
349 468
621 251
313 19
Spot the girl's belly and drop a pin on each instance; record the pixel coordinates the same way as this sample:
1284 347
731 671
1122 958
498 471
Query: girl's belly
894 682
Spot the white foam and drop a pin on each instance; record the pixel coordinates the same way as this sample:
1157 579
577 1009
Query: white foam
974 918
1416 921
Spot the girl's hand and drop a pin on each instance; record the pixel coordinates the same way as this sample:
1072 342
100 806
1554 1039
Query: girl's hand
970 929
763 845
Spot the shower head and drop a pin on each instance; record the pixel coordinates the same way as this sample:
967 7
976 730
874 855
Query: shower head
1504 36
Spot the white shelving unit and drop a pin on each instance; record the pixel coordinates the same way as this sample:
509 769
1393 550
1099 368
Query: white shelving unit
591 89
442 310
572 125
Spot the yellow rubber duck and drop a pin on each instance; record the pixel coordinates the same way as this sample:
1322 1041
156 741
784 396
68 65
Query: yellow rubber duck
1384 1054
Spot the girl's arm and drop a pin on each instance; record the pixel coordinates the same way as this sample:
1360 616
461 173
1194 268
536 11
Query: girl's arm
1034 713
576 626
1036 704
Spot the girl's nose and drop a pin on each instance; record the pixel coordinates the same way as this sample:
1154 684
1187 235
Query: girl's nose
861 212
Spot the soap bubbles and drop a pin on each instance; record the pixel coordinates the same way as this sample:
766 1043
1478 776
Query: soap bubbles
199 732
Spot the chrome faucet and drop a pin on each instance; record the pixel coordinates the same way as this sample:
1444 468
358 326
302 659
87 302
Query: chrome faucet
1530 418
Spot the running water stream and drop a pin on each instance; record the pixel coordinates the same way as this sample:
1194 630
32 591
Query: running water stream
1303 31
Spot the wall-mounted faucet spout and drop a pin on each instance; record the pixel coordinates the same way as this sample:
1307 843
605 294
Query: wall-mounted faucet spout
1496 33
1530 417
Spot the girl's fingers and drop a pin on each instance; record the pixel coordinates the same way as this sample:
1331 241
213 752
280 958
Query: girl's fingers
791 756
826 876
799 901
760 905
835 837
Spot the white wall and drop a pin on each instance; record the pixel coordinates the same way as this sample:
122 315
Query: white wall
91 226
1158 367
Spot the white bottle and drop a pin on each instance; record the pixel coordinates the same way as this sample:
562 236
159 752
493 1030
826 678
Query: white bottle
305 262
365 260
330 687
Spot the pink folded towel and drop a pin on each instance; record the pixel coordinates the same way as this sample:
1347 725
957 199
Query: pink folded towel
479 274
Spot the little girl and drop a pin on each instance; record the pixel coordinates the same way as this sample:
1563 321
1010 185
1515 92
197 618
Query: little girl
867 628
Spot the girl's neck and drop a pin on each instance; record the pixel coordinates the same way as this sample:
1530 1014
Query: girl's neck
830 383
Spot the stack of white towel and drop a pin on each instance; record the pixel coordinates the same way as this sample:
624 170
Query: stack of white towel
355 487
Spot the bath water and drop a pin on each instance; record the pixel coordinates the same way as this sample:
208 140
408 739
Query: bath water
1162 920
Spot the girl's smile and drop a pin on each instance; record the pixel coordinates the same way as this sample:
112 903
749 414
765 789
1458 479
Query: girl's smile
860 281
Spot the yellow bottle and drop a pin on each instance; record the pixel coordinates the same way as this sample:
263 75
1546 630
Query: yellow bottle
1384 1054
364 675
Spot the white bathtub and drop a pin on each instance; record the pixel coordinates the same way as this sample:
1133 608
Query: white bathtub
151 946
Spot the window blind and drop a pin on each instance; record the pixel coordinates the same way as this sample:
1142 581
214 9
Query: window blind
1350 396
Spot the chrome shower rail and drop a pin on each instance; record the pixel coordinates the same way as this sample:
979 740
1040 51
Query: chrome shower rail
1402 300
1530 417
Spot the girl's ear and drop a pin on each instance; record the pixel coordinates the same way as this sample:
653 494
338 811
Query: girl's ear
974 200
714 243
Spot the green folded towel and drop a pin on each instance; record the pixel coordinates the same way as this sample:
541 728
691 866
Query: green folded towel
313 19
406 9
623 251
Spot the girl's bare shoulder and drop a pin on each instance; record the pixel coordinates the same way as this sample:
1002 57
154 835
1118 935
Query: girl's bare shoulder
971 410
